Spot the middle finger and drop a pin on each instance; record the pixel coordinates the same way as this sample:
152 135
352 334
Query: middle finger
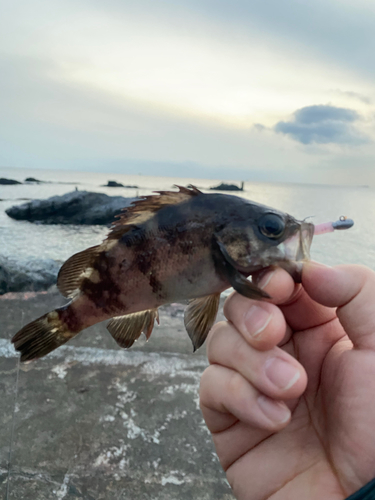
274 372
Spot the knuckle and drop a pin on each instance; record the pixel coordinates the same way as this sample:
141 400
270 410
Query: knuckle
233 304
239 351
235 383
204 382
296 294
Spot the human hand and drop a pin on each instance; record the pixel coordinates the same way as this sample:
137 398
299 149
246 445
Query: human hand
291 407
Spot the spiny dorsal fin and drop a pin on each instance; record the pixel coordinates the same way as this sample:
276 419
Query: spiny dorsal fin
144 208
199 318
127 329
74 270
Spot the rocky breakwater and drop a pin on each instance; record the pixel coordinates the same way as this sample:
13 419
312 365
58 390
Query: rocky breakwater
27 274
77 207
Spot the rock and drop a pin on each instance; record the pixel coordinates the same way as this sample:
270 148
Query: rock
8 181
77 207
27 274
114 184
227 187
31 179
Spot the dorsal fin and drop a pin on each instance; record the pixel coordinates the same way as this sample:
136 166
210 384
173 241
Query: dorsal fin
144 208
75 269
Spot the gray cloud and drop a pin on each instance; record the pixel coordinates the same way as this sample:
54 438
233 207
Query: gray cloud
353 95
48 123
322 124
320 28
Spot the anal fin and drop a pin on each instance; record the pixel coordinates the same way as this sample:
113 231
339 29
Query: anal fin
199 318
127 329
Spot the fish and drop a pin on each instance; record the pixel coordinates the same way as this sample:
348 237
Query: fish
171 246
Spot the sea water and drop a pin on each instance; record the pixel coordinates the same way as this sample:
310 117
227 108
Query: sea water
322 203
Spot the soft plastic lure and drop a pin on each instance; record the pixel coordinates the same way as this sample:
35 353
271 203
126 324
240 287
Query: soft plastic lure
329 227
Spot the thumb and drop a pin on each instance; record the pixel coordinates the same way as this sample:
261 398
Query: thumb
352 290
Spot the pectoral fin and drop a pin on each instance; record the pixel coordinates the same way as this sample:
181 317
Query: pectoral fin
127 329
72 272
199 318
225 266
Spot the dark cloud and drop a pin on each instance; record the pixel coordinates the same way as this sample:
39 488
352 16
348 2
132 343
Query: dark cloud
322 125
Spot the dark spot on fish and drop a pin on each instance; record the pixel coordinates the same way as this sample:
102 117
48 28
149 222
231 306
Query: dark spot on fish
156 285
70 319
105 294
124 264
186 247
101 265
144 261
170 235
145 255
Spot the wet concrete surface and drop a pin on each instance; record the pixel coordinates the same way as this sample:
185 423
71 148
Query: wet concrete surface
92 421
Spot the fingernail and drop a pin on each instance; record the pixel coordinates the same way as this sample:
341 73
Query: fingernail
264 280
274 410
256 320
282 374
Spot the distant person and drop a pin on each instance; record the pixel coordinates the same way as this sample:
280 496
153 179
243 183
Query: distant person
290 394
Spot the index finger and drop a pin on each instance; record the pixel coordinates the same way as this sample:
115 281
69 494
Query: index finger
300 310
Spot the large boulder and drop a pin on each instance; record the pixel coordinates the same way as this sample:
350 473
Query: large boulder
27 274
78 207
8 181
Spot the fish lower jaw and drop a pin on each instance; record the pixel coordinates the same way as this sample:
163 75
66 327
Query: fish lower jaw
293 268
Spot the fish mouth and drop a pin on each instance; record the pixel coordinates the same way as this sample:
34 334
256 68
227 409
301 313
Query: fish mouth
296 249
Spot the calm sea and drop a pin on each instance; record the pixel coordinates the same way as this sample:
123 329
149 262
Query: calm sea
20 239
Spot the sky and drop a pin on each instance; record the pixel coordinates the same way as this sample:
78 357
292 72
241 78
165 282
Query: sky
248 90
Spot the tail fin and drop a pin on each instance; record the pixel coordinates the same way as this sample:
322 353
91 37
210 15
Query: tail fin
41 336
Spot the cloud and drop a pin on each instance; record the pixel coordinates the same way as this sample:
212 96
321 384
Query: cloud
353 95
319 29
322 124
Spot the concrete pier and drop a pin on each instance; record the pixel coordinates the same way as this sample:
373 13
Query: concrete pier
91 421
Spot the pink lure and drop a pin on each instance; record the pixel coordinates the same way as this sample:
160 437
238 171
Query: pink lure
328 227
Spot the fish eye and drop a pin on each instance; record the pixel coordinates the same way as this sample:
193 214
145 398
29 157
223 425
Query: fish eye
271 225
